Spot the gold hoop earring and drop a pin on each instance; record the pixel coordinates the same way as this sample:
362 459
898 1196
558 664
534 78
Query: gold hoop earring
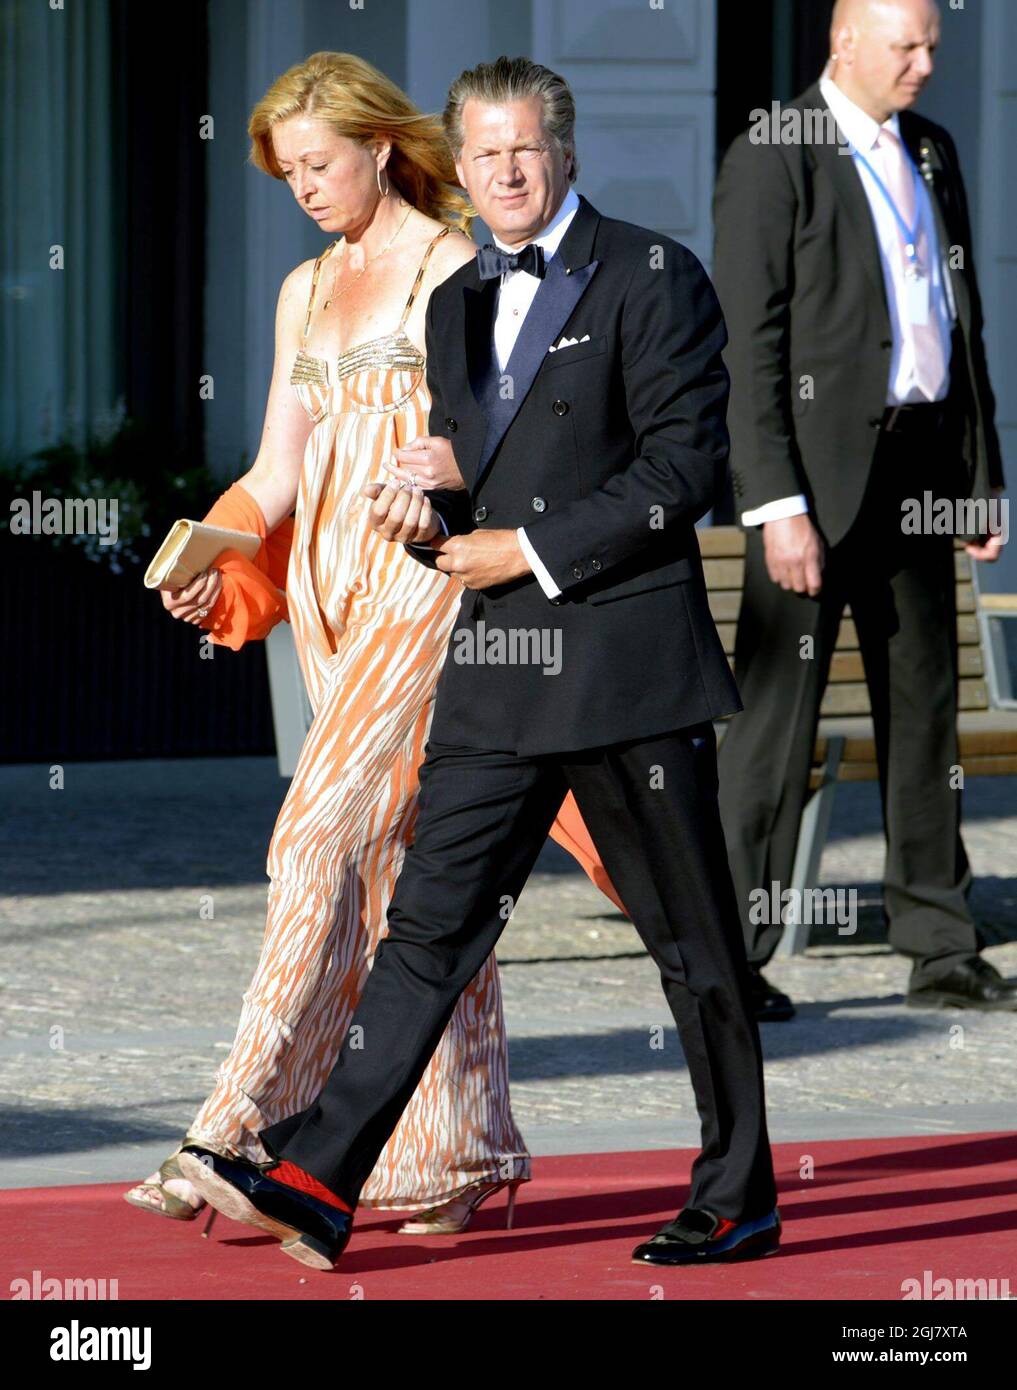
377 175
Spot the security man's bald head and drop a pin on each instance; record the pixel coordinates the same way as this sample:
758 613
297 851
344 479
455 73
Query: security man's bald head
881 52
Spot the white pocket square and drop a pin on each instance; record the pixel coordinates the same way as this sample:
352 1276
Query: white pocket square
570 342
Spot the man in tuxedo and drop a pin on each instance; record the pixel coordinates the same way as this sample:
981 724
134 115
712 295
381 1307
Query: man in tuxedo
576 377
844 266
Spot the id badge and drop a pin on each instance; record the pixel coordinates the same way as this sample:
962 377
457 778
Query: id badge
916 299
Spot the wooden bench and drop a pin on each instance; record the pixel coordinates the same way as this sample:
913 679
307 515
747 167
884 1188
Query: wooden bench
845 749
845 743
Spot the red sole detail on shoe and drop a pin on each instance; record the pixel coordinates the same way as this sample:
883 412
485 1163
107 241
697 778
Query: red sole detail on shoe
289 1175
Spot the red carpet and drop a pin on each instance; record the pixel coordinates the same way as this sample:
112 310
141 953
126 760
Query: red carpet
875 1213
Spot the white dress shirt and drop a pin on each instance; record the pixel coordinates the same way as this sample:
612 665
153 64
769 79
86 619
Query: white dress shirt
862 131
516 291
515 295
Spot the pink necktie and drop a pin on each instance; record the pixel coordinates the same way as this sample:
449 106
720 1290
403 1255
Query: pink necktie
931 361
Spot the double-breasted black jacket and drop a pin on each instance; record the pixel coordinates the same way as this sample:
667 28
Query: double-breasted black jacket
607 452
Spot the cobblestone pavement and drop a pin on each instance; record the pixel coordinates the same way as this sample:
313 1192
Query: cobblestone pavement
118 998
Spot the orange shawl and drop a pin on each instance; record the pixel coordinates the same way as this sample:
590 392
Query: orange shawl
252 599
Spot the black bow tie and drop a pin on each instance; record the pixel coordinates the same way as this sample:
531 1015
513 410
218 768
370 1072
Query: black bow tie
492 262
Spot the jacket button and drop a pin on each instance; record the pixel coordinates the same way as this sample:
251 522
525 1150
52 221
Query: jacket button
577 571
875 422
538 504
560 407
480 514
451 425
597 565
886 344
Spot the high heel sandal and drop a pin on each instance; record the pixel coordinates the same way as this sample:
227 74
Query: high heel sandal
443 1220
174 1207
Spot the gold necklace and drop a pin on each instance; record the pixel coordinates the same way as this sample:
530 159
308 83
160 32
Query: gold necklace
335 273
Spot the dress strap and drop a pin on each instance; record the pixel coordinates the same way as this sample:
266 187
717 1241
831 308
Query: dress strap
420 274
314 283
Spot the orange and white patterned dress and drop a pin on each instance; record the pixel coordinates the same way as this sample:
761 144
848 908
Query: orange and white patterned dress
371 627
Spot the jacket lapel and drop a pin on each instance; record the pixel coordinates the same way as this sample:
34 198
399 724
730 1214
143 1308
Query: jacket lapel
924 152
471 325
478 309
841 171
500 394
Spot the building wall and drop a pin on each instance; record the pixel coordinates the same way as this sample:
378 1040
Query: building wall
256 232
644 75
645 81
645 140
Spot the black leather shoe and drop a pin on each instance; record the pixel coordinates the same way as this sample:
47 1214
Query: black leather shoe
770 1005
974 984
699 1237
311 1231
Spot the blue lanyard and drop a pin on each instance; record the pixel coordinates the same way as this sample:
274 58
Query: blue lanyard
910 233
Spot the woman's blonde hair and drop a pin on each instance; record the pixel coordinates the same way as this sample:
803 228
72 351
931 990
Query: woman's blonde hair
360 102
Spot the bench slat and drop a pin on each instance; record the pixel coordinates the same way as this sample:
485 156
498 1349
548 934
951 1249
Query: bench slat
848 666
724 606
847 641
987 765
721 542
730 573
999 603
974 743
853 697
724 574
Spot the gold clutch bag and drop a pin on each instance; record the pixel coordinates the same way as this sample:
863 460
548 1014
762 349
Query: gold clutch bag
191 547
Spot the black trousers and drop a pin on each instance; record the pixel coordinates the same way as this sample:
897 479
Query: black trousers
902 594
651 807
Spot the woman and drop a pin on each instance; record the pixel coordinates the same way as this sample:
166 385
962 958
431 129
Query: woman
371 627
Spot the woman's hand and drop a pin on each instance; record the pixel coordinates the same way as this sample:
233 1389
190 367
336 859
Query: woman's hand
429 462
202 592
400 513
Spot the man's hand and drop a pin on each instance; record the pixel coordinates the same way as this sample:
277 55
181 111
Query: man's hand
988 550
991 547
482 558
401 513
794 554
429 462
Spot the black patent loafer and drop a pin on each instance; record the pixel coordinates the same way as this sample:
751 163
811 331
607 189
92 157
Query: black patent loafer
311 1231
700 1237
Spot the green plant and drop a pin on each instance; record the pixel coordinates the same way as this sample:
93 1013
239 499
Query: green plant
152 482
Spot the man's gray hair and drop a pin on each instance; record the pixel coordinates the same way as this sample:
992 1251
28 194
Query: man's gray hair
512 79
